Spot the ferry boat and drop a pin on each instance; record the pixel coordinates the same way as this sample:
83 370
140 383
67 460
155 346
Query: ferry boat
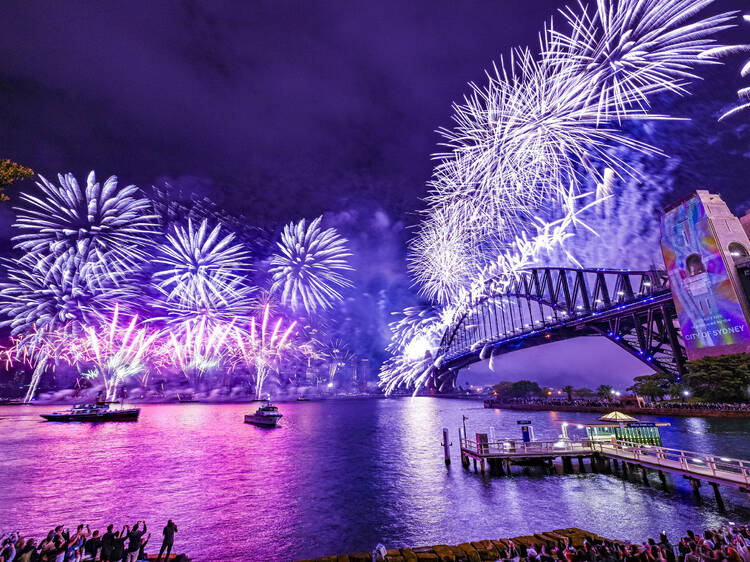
99 412
267 415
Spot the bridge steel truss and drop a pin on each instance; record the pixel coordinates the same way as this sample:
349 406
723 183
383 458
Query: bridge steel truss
633 309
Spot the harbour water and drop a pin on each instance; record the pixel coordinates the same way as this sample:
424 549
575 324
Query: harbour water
336 476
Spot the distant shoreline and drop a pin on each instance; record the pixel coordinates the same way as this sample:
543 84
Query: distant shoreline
682 412
141 402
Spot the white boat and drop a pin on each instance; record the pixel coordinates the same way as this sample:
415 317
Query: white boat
267 415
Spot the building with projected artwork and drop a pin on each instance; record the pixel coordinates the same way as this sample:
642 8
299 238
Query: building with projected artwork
705 249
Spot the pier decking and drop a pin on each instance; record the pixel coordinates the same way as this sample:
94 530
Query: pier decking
500 455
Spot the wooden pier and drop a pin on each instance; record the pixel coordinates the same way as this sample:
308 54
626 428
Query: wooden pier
499 455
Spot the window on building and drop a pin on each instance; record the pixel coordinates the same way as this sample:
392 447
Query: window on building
695 265
737 251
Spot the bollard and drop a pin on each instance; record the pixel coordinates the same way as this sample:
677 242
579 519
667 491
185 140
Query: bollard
446 447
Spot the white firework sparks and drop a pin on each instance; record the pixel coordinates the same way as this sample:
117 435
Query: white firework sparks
415 339
104 226
199 347
41 300
119 351
743 94
544 123
201 274
308 269
441 258
263 347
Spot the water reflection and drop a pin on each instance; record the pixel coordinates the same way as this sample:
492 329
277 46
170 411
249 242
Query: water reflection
336 476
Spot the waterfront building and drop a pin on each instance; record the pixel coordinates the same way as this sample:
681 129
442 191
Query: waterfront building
705 249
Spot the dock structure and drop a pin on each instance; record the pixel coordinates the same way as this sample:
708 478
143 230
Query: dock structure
499 455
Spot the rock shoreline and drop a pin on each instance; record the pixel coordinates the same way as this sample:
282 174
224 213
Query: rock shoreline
474 551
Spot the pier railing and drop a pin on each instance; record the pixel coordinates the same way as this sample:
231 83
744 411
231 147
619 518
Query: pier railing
723 468
507 447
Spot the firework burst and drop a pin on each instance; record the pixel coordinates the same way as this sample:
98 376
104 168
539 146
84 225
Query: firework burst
308 268
338 355
743 94
543 123
201 275
263 347
119 349
104 226
415 338
199 347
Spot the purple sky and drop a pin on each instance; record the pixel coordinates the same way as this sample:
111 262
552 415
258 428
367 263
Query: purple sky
290 105
288 108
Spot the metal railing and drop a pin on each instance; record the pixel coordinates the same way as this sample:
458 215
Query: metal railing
521 448
699 464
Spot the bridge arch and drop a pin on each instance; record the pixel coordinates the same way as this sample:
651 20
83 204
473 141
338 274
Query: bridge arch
633 309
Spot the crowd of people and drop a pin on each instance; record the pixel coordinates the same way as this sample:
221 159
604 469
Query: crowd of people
723 407
661 405
61 545
728 544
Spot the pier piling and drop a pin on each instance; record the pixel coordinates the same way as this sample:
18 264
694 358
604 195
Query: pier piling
717 495
581 467
695 484
446 447
644 473
663 479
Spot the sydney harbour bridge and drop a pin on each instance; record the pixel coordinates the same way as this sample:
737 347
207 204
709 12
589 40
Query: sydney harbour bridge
633 309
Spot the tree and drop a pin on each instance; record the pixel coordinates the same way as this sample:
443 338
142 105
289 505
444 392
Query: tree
652 389
526 389
10 172
568 389
604 391
725 378
675 391
503 390
653 386
584 392
521 389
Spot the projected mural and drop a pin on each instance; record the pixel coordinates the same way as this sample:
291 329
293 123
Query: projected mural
707 304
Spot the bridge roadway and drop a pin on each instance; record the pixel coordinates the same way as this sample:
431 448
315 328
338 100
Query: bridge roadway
695 467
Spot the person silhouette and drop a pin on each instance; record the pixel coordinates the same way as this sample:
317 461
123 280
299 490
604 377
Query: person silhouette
169 530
